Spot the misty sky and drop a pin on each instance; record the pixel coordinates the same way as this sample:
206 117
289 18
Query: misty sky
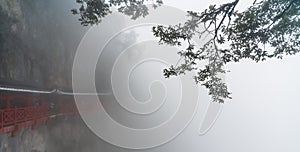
264 112
263 115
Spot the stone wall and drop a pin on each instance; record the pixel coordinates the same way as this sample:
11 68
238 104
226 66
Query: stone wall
38 40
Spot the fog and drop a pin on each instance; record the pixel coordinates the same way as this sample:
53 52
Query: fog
262 116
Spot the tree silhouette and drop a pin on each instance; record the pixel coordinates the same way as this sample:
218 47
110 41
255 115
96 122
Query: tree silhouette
235 35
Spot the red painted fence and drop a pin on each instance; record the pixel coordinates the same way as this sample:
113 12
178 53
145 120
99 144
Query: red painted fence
21 110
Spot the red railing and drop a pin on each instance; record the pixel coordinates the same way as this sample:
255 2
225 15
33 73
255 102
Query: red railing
10 116
31 109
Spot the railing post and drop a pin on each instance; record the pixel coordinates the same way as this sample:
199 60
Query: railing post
1 125
15 115
13 133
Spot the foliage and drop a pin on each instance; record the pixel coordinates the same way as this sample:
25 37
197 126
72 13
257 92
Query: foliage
234 36
92 11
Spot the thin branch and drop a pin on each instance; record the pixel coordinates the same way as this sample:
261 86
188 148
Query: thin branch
277 17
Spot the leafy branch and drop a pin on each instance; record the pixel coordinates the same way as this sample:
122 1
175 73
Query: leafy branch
272 22
93 11
232 35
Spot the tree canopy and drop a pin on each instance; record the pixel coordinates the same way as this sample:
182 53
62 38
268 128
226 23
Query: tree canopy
266 29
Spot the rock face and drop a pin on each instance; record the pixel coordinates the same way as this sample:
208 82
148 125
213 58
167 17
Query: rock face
38 40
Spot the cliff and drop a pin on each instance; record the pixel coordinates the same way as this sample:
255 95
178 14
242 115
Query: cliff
38 40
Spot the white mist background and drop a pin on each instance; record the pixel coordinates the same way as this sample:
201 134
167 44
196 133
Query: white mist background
263 115
264 112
